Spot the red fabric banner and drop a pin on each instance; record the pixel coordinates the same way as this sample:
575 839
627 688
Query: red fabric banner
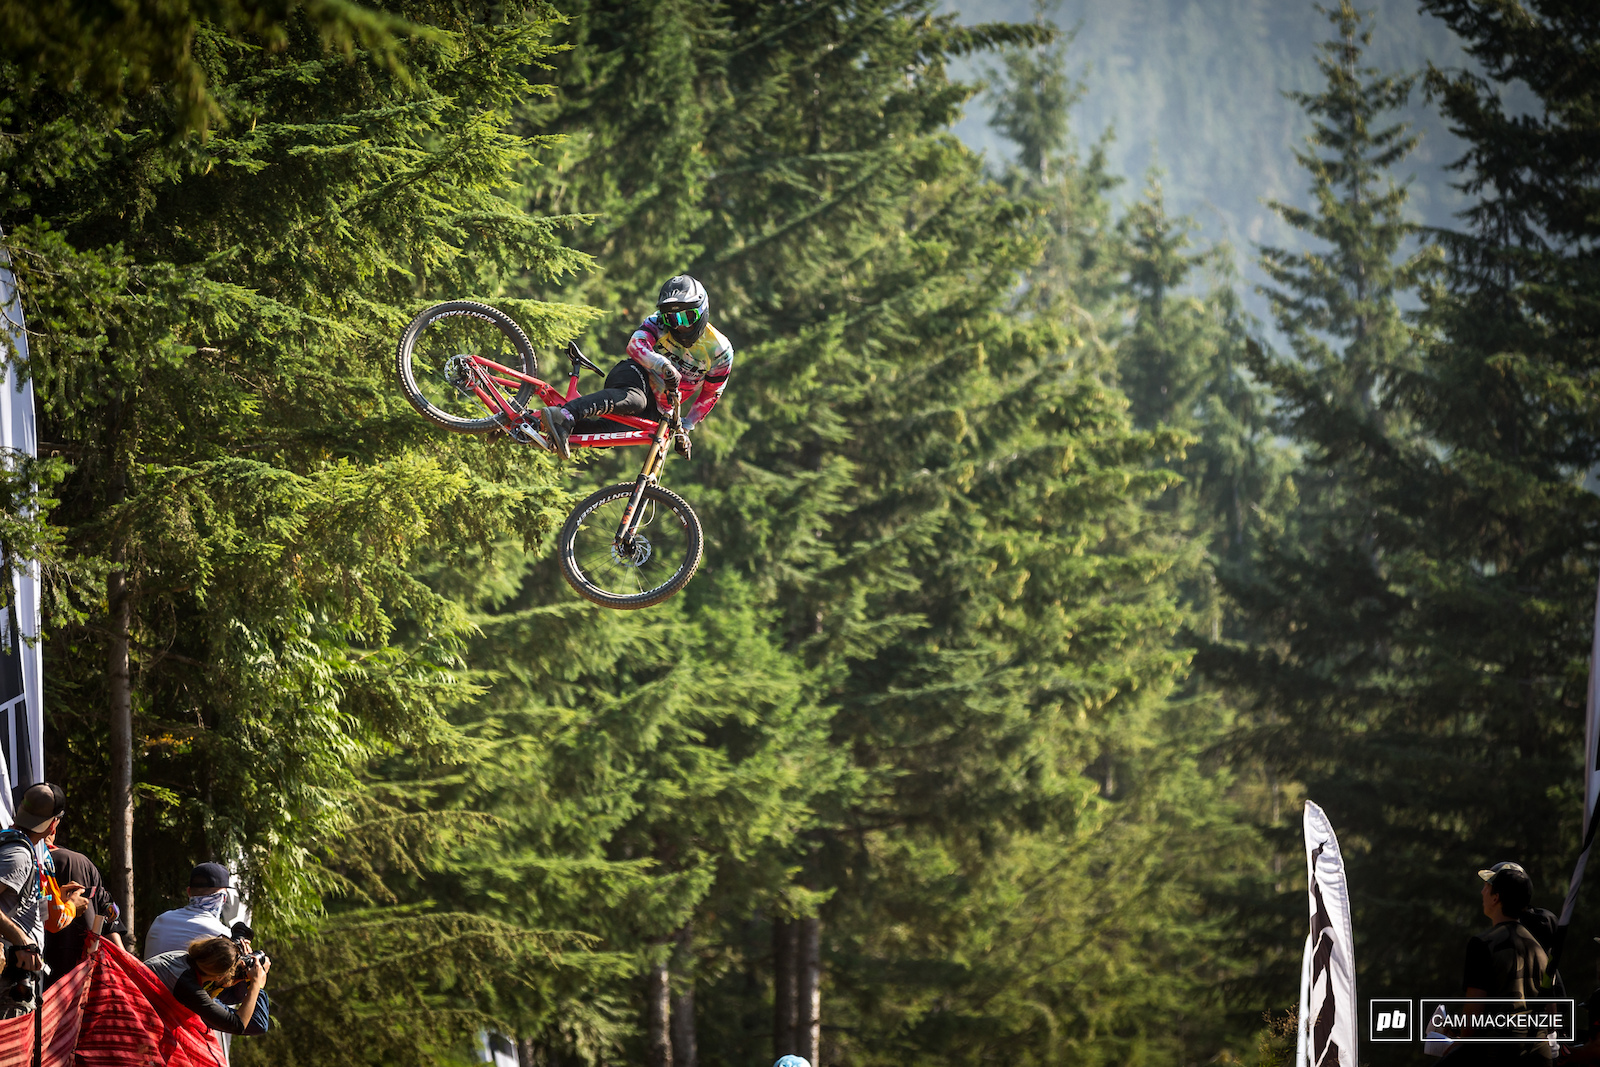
131 1020
111 1011
63 1014
63 1007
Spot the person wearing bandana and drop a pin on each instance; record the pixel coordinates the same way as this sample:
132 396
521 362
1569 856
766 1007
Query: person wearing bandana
174 931
201 917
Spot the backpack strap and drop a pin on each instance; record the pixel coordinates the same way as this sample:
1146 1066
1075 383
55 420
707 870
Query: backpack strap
11 836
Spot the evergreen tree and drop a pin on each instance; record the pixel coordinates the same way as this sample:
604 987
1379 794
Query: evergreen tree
1417 660
924 502
1179 355
114 52
1506 391
1183 363
249 499
1310 658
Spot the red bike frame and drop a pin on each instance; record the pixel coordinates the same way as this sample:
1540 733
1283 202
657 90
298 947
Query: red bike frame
638 432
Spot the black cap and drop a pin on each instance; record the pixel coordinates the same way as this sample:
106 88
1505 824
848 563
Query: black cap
209 876
37 809
1510 872
1511 883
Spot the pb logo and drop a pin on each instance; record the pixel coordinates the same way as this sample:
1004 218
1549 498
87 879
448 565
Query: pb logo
1392 1020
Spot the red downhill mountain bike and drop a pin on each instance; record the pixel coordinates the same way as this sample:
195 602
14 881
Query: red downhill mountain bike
471 369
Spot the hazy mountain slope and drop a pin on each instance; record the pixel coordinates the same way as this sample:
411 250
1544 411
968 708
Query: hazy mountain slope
1197 87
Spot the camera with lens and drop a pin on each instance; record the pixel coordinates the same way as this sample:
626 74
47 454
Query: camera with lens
242 934
242 971
23 984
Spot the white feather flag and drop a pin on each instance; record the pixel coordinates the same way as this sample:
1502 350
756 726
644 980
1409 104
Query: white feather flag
1328 980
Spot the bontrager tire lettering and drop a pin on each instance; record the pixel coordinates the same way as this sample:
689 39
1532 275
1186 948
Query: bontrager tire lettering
405 372
566 547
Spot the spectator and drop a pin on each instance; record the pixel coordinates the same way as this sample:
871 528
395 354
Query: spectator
174 931
1504 962
22 903
201 917
63 950
214 964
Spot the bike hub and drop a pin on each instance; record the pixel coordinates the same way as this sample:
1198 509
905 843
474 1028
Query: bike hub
636 554
458 372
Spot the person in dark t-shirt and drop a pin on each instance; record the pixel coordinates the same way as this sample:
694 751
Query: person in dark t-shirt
1505 962
64 949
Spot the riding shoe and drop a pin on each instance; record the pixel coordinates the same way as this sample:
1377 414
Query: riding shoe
557 423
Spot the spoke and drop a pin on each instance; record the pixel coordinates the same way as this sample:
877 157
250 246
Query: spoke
595 554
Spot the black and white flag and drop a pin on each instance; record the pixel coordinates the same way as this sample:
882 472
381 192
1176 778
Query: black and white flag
21 659
1328 971
1591 777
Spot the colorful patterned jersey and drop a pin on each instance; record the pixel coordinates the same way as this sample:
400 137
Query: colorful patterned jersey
704 365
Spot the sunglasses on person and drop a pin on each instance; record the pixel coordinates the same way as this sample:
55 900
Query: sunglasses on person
685 317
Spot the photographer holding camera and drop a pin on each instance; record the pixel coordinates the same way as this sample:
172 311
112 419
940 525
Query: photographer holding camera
207 967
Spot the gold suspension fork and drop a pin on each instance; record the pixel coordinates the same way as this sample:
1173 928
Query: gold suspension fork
654 460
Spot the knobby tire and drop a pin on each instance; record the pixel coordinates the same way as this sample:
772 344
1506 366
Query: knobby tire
508 328
587 585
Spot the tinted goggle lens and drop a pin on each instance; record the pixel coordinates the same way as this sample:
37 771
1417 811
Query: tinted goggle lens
682 318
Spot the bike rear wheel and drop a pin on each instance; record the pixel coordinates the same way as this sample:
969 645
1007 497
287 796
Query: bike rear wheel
665 553
435 370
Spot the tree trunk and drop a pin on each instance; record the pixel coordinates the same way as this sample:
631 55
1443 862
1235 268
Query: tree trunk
531 1052
685 1049
119 691
120 686
808 1029
658 1016
785 986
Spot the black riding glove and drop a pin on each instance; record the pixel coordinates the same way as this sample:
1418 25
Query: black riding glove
681 445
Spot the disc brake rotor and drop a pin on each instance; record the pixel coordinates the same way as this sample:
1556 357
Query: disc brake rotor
638 557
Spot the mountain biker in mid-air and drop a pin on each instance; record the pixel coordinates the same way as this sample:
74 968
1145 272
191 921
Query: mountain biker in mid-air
674 355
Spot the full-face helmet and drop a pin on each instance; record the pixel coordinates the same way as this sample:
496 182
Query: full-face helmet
684 308
791 1061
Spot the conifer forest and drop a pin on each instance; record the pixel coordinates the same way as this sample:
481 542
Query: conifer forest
1044 578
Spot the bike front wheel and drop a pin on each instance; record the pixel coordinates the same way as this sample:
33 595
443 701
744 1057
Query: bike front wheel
663 556
439 375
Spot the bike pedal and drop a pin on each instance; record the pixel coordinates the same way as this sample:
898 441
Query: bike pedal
522 432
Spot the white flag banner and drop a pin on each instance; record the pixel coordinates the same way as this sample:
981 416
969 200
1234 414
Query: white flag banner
21 658
1591 775
1328 984
1303 1031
